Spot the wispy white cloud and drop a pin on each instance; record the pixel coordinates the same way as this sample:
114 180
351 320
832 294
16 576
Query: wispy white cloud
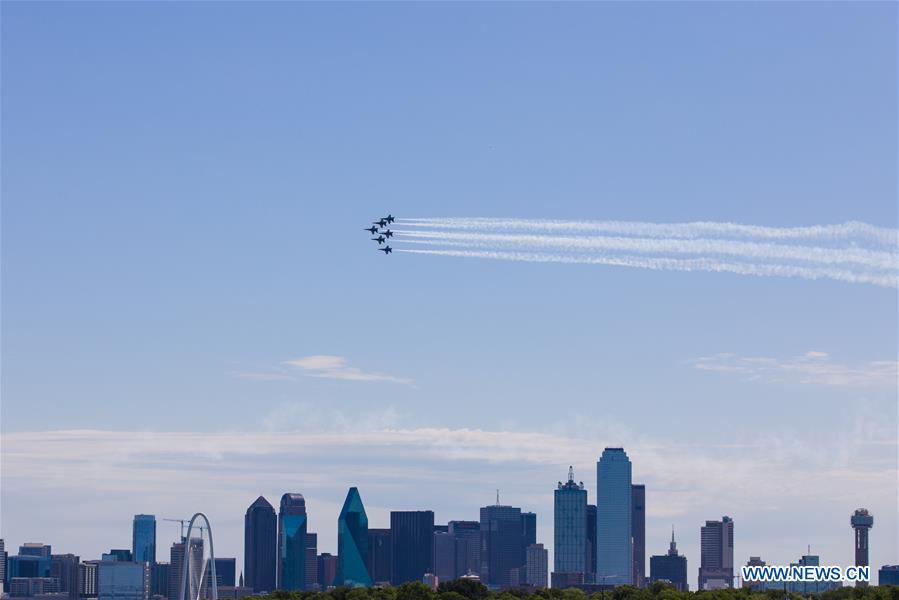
813 367
851 252
337 367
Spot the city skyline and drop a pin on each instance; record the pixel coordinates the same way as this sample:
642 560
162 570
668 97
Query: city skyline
192 317
418 529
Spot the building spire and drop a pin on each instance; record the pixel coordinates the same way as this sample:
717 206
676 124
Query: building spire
672 550
570 473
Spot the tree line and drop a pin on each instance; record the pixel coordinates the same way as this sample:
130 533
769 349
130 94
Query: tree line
472 590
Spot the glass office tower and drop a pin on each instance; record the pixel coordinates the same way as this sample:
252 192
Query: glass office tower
352 543
570 527
292 542
614 546
143 538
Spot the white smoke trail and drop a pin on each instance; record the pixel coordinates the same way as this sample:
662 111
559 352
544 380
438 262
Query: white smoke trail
852 252
766 251
675 264
851 230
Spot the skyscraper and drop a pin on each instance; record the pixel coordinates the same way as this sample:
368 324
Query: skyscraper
379 551
590 575
194 566
412 548
260 543
64 568
570 526
638 532
352 543
2 564
528 530
716 569
445 556
670 567
536 566
159 578
327 570
143 538
501 544
292 542
468 546
312 582
614 514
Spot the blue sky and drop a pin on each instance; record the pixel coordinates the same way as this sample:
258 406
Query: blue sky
184 189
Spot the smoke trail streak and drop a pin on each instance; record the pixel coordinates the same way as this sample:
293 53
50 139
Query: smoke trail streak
852 252
675 264
868 258
852 230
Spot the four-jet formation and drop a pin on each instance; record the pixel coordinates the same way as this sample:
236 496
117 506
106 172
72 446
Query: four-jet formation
383 234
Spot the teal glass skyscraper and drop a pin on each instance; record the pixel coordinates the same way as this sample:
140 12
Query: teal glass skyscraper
292 542
614 545
143 538
352 543
570 526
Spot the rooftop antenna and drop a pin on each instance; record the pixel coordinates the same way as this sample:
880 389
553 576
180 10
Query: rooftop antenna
497 496
570 473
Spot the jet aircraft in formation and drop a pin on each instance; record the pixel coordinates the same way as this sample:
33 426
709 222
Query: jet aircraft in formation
383 223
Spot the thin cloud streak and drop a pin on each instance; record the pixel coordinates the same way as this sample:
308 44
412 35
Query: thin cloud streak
337 367
816 368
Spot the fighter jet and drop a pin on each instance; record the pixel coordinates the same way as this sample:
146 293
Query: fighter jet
379 239
380 222
372 230
389 218
386 250
387 232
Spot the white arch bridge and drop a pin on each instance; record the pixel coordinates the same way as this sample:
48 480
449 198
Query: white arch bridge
185 562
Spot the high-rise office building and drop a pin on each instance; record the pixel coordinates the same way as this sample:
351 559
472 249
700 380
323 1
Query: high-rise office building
225 573
159 579
292 526
312 582
260 545
2 564
123 580
614 514
590 575
379 559
412 547
444 556
352 543
528 532
501 544
536 566
888 575
670 567
194 569
327 570
638 532
64 568
143 538
468 546
88 579
570 526
33 560
861 522
716 569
